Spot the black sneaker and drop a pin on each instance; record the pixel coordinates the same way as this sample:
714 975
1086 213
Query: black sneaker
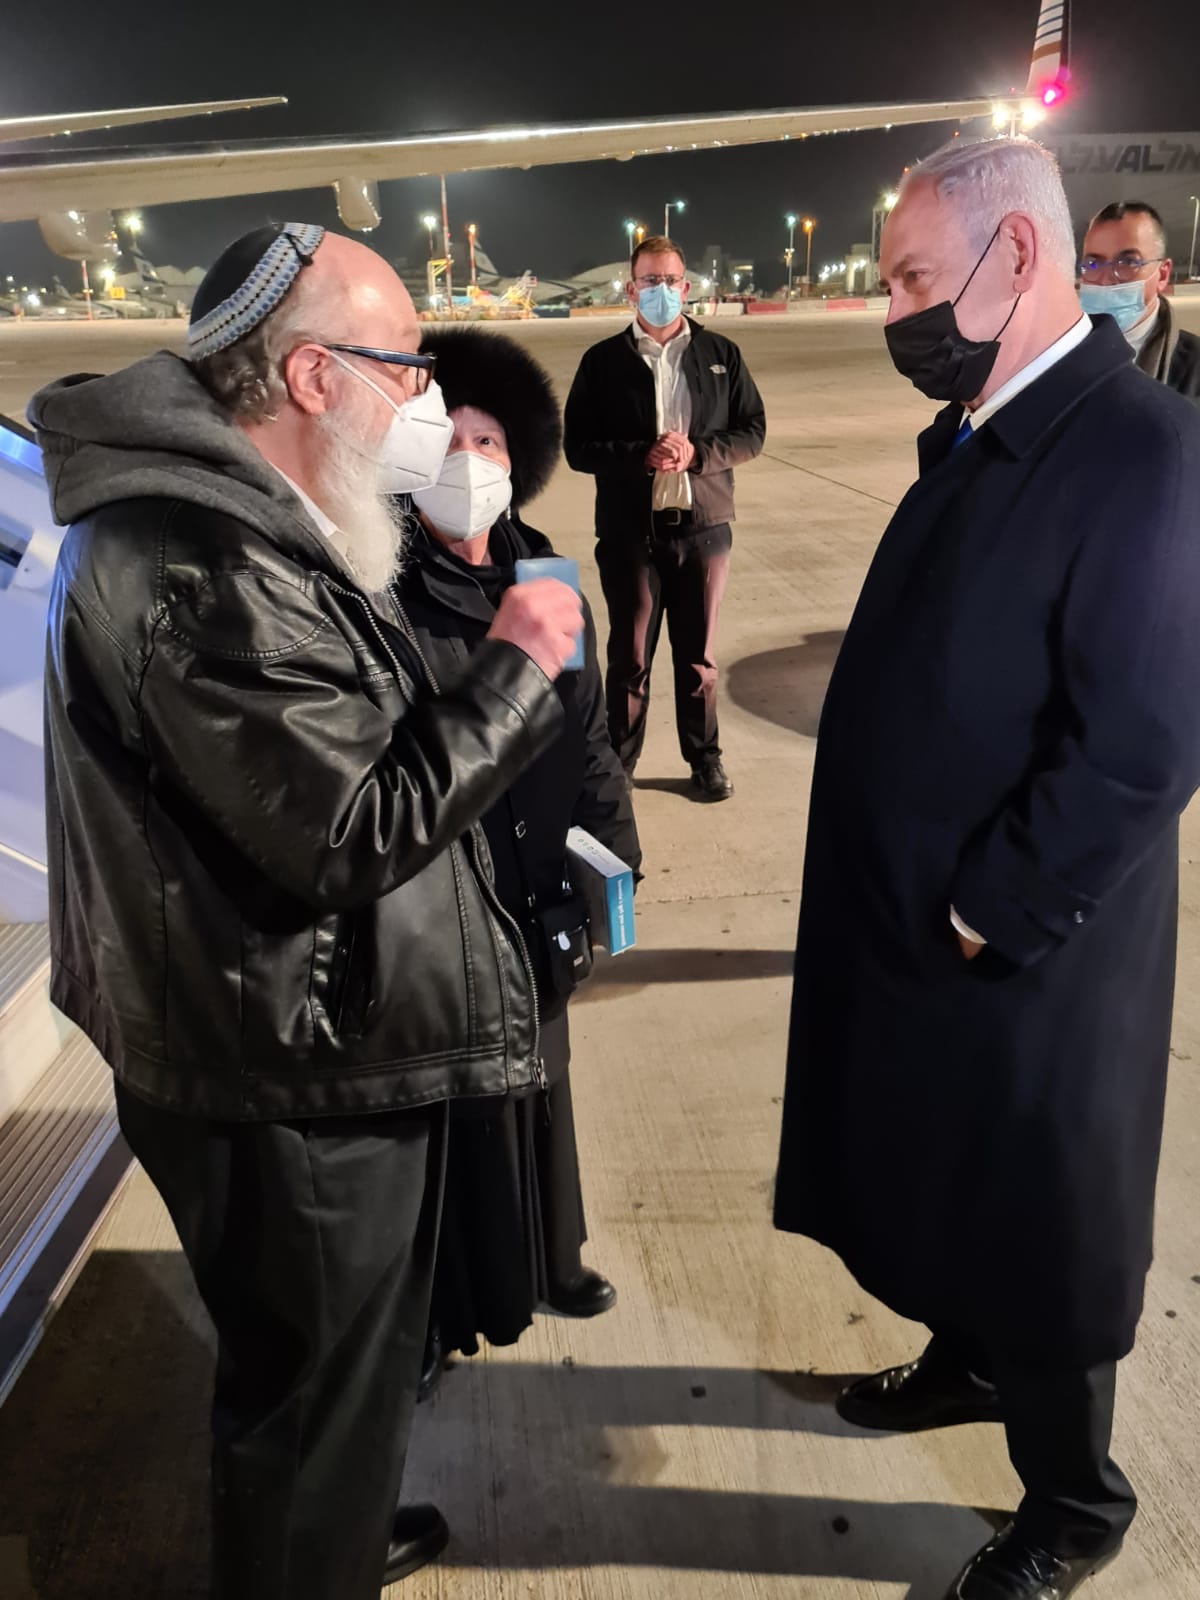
710 777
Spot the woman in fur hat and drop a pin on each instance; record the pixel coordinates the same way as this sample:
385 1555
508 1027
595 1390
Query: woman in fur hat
513 1224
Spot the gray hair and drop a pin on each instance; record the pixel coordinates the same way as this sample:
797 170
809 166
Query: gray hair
987 180
246 379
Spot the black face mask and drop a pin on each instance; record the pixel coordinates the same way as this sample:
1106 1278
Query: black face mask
929 349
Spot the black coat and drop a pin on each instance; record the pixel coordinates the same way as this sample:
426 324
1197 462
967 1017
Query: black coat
1013 727
1183 374
576 781
269 896
611 422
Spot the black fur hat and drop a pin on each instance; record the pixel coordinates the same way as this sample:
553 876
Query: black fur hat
476 367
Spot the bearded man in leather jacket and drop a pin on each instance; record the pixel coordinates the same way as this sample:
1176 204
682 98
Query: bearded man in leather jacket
272 906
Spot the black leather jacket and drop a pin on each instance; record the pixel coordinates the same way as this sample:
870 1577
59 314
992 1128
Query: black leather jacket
269 893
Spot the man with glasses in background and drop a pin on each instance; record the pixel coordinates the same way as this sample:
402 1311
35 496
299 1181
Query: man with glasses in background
1125 273
660 415
271 914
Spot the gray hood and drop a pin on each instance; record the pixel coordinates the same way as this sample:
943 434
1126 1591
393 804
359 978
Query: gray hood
153 431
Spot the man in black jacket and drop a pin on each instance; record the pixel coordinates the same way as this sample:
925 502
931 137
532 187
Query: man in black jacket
1126 272
660 415
271 908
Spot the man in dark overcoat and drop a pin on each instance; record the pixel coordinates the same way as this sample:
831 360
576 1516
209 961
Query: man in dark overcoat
986 956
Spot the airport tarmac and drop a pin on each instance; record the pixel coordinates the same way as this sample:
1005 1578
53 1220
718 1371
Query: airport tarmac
683 1447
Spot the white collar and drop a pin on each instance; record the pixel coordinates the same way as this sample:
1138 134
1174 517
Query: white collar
325 524
641 337
1032 372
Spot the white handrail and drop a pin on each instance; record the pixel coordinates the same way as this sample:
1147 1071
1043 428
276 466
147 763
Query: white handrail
25 861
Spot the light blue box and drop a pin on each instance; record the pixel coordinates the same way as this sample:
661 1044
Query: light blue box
566 571
606 883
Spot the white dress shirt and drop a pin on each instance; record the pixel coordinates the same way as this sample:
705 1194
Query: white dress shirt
325 524
1009 391
1036 369
672 491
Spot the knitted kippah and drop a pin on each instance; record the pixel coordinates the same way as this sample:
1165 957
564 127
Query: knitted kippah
246 282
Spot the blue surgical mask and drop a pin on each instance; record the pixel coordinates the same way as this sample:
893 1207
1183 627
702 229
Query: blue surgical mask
660 306
1125 303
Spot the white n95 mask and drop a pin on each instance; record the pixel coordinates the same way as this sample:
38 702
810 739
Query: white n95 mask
410 455
471 495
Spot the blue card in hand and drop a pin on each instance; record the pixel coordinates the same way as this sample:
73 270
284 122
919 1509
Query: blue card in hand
566 571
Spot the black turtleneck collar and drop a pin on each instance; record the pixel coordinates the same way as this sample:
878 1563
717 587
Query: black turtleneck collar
472 591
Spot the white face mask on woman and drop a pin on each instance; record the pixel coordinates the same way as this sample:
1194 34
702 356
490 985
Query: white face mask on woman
469 498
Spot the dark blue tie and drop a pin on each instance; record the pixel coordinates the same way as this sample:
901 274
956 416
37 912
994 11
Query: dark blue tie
963 434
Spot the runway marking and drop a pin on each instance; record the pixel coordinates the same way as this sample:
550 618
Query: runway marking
825 478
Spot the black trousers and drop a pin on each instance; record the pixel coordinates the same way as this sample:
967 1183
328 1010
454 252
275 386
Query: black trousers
680 574
312 1245
1059 1429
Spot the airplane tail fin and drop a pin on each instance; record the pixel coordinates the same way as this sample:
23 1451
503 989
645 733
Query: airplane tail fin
483 264
1049 68
145 271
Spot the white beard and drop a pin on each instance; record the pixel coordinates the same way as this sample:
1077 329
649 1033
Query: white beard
374 532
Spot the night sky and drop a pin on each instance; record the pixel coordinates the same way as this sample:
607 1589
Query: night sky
357 67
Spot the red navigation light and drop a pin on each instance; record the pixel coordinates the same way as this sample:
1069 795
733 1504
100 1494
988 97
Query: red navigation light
1052 94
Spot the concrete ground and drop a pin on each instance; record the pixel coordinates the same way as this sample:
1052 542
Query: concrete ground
684 1445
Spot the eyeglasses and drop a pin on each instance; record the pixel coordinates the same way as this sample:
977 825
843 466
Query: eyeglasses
423 365
653 279
1125 268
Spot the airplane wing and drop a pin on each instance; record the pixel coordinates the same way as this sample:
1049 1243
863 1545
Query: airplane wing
13 129
32 185
71 195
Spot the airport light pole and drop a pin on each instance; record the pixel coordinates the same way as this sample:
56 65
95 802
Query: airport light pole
1195 199
809 225
449 250
471 232
791 219
429 223
671 205
629 232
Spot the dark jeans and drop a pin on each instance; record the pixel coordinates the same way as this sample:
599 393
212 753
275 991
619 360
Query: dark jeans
312 1245
681 574
1059 1429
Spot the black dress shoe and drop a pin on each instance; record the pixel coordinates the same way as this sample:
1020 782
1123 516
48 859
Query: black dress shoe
588 1296
931 1392
710 777
432 1366
1009 1569
419 1535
